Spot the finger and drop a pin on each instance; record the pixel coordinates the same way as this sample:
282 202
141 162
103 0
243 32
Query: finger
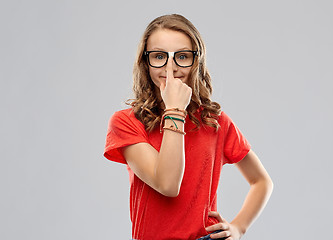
216 215
218 226
169 72
219 235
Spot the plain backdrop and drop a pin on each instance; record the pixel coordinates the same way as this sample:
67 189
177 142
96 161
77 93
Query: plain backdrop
66 67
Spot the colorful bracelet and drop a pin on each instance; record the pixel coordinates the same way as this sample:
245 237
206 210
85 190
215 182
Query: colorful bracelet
174 113
173 118
172 128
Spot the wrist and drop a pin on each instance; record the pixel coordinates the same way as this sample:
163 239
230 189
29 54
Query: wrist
173 123
240 229
175 107
170 118
177 111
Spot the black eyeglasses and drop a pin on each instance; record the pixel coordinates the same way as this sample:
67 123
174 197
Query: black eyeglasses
158 59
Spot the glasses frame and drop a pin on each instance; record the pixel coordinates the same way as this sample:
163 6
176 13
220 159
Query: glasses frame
172 54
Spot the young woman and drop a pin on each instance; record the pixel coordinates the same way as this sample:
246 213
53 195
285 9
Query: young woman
175 140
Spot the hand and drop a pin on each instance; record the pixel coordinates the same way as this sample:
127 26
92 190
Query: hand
229 231
174 92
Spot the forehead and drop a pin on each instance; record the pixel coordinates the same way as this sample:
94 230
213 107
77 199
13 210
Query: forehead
168 40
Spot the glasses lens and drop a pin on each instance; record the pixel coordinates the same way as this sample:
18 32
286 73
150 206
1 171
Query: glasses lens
157 59
184 58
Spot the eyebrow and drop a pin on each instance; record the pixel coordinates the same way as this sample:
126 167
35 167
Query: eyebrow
161 49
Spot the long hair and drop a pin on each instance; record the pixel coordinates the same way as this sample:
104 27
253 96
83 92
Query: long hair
146 106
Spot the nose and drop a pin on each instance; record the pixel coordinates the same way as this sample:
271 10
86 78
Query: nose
171 63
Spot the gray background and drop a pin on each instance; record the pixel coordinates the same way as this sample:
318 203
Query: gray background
65 67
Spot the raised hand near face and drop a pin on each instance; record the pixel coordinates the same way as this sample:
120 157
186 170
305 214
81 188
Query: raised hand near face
174 92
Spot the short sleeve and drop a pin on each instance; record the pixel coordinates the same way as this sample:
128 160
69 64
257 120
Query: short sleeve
123 130
235 144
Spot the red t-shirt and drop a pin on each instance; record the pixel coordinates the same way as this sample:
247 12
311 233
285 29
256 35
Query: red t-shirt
157 217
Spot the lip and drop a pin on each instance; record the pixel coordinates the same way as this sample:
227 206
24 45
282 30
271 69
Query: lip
174 77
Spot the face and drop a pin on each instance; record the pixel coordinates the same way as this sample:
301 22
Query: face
168 41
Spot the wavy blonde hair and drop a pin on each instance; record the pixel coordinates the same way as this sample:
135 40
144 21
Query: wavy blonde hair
146 106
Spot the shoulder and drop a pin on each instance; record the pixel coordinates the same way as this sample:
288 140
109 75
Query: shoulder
123 130
224 119
125 115
125 119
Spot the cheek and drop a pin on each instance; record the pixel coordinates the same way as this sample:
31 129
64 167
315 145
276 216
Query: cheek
154 75
186 73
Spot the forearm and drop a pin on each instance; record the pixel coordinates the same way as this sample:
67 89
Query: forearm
170 162
254 203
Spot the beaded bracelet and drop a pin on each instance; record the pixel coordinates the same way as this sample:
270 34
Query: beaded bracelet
172 128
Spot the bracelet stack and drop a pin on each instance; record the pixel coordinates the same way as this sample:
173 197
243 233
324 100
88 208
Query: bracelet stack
173 112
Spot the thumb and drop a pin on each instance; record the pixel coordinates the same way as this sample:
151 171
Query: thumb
216 215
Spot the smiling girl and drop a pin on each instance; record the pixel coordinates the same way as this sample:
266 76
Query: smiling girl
175 140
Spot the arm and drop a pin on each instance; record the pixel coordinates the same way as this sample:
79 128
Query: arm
163 170
261 187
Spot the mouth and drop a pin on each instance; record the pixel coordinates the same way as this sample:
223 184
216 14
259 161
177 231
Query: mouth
180 77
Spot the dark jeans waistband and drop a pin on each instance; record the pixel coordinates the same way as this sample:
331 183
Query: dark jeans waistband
207 237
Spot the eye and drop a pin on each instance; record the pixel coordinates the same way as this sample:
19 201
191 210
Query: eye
182 56
159 56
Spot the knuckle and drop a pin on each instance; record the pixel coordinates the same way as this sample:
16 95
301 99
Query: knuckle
212 229
188 89
226 234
